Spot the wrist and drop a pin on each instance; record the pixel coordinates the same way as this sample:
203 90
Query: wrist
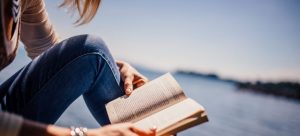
78 131
58 131
93 132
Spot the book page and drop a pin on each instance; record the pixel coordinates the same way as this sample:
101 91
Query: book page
146 100
179 115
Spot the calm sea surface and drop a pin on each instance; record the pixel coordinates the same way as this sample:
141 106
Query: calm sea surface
230 112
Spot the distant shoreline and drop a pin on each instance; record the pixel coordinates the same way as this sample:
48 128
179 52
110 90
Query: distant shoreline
284 89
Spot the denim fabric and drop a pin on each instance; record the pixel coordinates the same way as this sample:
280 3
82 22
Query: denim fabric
81 65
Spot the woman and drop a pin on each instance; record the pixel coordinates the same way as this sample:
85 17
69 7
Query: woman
60 71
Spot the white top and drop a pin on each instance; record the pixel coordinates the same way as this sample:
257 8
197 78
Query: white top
37 32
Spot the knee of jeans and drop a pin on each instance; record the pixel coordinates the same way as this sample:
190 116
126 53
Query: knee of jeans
95 44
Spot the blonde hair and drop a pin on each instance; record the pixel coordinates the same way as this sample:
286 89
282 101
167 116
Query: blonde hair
87 9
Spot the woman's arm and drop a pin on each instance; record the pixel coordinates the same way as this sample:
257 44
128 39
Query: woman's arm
37 32
30 128
13 125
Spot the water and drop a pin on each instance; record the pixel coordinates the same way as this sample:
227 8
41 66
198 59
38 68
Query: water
230 112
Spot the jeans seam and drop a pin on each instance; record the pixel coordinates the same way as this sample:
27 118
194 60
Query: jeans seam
110 67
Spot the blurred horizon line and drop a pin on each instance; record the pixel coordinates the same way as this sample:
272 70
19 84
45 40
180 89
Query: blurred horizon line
221 75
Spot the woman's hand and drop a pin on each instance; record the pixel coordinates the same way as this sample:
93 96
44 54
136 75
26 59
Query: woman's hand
131 77
123 129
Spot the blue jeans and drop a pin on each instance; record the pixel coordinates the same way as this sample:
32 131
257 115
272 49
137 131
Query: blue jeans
81 65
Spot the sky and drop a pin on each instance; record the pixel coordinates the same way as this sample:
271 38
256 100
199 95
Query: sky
241 39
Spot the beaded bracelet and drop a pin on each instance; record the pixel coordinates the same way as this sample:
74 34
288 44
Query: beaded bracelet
78 131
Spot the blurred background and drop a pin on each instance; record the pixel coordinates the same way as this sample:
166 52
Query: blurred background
238 58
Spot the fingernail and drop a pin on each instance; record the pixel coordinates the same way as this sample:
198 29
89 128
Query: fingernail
128 90
153 128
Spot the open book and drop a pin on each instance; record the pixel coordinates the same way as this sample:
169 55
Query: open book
159 103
